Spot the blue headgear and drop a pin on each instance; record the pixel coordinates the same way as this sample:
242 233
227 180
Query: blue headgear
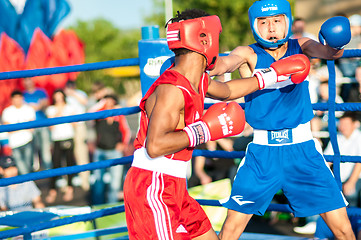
268 8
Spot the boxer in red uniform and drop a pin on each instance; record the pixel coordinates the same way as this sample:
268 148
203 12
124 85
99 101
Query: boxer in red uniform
157 204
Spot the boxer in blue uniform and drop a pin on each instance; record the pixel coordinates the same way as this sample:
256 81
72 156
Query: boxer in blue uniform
283 154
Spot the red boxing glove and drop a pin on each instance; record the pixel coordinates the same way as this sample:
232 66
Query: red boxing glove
221 120
297 66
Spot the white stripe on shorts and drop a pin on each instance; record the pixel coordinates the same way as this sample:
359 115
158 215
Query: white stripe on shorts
159 209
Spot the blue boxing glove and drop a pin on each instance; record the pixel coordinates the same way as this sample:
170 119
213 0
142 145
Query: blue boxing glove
335 32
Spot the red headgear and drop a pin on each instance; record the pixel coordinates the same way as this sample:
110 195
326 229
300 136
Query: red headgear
199 34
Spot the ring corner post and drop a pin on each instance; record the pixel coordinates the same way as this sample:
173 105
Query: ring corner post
153 52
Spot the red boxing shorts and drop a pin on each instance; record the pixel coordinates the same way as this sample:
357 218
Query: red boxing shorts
157 206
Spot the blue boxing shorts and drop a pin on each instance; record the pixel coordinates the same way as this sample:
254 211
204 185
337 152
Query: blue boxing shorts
297 167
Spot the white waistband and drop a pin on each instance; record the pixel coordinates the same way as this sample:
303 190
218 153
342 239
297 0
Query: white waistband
162 164
301 133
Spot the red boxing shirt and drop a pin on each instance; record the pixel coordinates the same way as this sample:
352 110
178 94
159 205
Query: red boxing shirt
193 108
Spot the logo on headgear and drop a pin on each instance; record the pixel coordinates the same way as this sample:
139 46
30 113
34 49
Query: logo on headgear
264 9
173 35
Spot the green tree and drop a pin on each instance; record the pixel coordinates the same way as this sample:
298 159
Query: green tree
104 42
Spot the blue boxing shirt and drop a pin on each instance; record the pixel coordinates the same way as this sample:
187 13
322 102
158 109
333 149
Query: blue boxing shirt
282 105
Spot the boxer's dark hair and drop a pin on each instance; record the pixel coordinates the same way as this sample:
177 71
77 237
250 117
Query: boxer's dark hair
186 15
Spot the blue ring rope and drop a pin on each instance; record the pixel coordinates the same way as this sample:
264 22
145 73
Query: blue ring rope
332 120
351 53
73 118
70 68
125 160
331 106
338 106
133 110
105 212
65 171
348 53
61 222
119 209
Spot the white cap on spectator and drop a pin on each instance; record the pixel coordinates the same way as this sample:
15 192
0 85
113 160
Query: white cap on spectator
355 20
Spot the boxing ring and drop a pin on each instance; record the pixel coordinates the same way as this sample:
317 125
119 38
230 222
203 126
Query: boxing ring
39 221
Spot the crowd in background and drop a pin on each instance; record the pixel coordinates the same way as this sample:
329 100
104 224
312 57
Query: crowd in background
67 144
79 143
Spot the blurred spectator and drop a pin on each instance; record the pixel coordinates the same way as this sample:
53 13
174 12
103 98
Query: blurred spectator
318 74
5 149
20 141
78 99
355 87
62 136
348 65
112 137
206 170
199 174
349 142
318 87
17 197
319 123
241 142
299 31
315 76
323 98
38 99
97 93
222 167
355 91
95 102
355 22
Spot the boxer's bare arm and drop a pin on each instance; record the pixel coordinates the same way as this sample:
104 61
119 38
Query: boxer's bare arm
165 110
240 58
311 48
297 66
233 61
232 89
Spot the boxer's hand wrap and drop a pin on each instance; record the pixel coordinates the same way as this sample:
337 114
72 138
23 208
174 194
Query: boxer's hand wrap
198 133
266 77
